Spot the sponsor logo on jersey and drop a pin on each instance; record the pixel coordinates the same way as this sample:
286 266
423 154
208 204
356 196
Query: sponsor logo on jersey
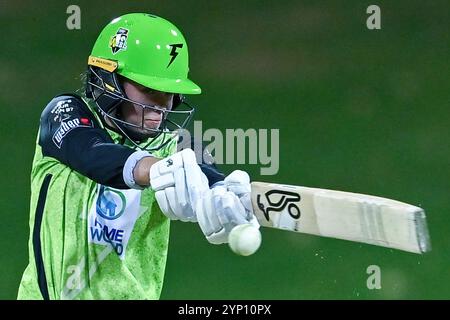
61 112
112 217
110 203
66 127
102 233
119 40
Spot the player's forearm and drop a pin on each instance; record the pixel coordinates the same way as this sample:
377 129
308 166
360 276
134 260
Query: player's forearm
142 169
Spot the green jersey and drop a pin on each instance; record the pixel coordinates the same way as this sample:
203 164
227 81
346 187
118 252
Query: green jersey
89 240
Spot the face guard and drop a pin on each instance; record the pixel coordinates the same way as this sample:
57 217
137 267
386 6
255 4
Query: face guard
105 89
152 52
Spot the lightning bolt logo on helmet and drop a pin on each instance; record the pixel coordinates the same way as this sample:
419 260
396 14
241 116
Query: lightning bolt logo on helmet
173 52
119 40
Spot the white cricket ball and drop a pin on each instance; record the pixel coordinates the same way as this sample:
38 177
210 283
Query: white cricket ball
244 239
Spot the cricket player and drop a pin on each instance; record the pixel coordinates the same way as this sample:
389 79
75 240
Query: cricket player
107 178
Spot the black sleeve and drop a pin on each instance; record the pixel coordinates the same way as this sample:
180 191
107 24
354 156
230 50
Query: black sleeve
70 133
208 165
212 173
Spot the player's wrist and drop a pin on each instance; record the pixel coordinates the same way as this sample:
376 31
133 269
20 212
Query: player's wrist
142 170
136 169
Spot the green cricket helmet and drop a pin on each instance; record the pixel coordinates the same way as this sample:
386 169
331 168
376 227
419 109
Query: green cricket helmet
146 49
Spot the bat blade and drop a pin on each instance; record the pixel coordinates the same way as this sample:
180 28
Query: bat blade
342 215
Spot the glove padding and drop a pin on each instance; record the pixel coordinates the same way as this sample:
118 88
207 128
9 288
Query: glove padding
225 206
178 183
238 182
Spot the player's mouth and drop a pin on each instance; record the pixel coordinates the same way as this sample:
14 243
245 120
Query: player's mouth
153 121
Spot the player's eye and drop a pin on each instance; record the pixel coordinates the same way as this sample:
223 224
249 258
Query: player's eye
147 90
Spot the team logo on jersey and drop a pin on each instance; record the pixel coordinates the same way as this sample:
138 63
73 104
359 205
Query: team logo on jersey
67 126
119 40
110 203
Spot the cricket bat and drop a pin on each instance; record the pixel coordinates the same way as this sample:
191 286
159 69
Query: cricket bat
342 215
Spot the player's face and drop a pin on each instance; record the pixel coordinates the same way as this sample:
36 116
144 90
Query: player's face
133 113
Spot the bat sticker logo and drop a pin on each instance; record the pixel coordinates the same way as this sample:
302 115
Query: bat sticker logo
278 200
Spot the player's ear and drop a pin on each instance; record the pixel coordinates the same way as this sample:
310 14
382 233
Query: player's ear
177 100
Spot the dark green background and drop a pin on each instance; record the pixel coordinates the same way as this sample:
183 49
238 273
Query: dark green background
358 110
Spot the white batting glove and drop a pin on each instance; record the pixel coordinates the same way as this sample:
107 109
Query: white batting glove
218 212
178 183
238 182
225 206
